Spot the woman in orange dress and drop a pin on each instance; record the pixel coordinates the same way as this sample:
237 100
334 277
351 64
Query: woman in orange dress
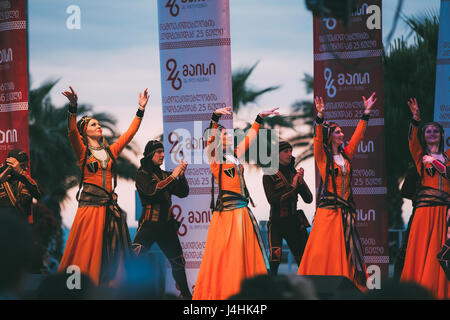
334 247
99 240
429 229
234 250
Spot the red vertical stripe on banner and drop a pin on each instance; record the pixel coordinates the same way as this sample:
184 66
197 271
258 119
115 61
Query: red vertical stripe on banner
13 77
348 66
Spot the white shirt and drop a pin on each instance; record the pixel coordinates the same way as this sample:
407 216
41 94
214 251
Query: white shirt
339 159
438 156
231 158
101 155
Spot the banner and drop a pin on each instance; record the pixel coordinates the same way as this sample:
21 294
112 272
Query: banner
347 66
195 57
13 77
442 93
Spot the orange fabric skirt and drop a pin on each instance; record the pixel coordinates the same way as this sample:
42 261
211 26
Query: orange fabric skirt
85 242
426 237
232 254
325 252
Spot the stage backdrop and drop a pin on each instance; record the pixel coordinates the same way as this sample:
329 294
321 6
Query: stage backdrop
194 42
442 95
347 66
13 77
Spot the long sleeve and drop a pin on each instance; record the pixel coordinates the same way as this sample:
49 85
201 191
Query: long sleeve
74 137
31 185
304 192
319 154
275 197
211 142
149 186
179 187
249 138
117 147
414 145
269 189
357 136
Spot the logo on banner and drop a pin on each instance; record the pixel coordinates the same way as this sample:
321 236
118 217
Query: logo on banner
346 80
171 66
365 216
174 8
8 136
175 211
176 150
330 23
331 89
199 72
353 79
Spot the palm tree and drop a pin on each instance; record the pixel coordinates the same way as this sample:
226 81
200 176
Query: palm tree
242 94
408 70
53 163
303 117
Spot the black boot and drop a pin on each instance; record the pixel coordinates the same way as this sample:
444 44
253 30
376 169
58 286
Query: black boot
274 267
179 274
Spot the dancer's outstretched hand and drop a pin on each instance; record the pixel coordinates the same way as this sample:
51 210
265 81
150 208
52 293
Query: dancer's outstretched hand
221 111
320 106
414 107
143 99
271 112
71 95
368 103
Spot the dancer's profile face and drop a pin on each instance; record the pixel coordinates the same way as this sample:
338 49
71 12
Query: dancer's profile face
285 156
337 137
158 157
432 135
94 130
227 139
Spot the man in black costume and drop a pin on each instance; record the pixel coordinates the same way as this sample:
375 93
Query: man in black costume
155 188
282 190
17 188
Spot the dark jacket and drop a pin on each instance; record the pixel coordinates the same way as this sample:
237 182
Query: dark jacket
18 191
155 189
280 194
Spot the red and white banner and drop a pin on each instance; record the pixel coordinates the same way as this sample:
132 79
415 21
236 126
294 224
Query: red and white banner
13 77
195 57
442 91
347 66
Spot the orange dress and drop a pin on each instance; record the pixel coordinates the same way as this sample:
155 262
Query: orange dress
428 231
85 243
325 252
233 251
